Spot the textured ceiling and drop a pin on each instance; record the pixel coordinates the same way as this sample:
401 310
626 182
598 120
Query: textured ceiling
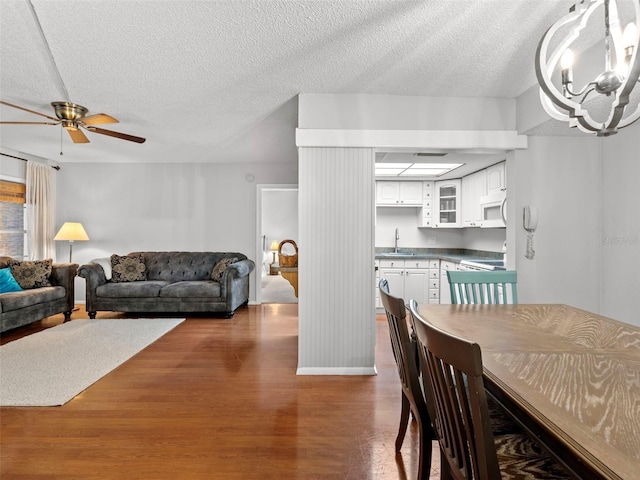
217 80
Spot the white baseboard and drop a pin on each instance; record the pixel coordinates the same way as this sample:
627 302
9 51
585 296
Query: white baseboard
337 371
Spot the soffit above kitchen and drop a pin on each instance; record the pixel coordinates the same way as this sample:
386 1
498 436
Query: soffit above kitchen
218 81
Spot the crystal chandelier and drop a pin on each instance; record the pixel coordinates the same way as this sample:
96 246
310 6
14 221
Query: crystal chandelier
612 108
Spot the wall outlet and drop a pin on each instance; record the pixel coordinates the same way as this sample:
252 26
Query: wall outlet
431 240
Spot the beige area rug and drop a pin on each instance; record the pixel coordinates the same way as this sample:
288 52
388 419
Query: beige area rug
51 367
276 289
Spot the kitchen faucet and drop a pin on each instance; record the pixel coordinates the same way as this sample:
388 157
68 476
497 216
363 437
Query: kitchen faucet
396 242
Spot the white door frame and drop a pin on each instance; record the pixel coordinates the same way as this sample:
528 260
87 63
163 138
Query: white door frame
260 188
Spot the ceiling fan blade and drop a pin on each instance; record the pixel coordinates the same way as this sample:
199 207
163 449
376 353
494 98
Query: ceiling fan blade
27 110
111 133
30 123
98 119
77 136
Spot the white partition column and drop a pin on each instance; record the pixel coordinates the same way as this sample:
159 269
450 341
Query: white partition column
336 261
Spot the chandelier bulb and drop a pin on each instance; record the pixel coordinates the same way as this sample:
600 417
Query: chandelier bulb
630 35
566 61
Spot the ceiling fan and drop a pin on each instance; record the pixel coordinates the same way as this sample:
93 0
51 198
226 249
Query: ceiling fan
73 118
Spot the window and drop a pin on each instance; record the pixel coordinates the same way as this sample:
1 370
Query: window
12 219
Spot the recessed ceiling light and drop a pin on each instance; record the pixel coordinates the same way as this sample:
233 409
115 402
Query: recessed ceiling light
415 169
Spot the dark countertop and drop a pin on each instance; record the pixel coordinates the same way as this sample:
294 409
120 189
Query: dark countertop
450 255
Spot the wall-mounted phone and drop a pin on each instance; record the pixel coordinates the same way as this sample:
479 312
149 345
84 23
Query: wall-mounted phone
529 223
529 218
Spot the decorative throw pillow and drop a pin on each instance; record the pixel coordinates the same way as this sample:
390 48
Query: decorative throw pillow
31 274
128 268
105 263
7 282
221 266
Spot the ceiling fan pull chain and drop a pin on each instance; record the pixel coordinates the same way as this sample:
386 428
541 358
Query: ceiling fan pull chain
61 128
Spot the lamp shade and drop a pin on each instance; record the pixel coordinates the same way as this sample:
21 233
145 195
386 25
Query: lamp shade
72 231
275 245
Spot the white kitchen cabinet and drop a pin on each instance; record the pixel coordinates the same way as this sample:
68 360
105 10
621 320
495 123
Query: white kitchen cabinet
445 292
496 179
425 214
474 187
411 278
399 194
416 284
447 203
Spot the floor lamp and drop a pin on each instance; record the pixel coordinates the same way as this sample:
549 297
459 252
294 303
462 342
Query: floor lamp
71 231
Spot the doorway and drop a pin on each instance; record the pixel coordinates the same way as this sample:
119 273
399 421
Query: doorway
277 214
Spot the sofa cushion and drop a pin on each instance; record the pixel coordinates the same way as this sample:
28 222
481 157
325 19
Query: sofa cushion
221 266
183 266
7 282
128 268
143 289
31 274
192 289
26 298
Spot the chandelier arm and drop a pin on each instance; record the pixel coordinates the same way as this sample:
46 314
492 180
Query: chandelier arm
584 97
588 88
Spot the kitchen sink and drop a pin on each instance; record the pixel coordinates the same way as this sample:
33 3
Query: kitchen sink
394 254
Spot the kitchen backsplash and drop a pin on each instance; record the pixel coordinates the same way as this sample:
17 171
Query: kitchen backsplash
405 220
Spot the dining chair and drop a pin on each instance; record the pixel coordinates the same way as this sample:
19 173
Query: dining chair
497 286
458 405
406 356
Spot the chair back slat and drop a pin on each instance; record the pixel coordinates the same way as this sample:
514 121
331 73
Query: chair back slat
405 352
456 401
494 287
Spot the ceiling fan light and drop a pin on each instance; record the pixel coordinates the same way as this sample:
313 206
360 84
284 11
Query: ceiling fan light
69 125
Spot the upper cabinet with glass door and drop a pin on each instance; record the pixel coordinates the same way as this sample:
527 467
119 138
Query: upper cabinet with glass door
447 203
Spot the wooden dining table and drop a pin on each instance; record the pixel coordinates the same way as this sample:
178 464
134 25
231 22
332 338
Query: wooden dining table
571 377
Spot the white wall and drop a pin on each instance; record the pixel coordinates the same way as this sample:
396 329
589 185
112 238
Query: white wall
401 112
406 221
12 169
145 207
560 176
620 241
486 239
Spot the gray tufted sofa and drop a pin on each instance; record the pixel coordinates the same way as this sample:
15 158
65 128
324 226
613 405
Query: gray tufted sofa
21 308
176 282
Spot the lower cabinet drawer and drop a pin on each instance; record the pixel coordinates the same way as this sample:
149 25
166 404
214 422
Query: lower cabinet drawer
434 293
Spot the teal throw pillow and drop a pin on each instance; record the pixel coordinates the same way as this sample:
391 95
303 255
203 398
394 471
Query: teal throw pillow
7 282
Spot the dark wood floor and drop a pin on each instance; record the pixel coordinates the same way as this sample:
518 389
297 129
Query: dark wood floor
216 399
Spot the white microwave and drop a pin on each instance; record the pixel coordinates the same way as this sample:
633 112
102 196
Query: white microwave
494 210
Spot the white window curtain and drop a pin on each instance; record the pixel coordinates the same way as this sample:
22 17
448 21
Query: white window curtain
40 210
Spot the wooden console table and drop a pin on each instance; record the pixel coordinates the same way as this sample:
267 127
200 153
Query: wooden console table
289 273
